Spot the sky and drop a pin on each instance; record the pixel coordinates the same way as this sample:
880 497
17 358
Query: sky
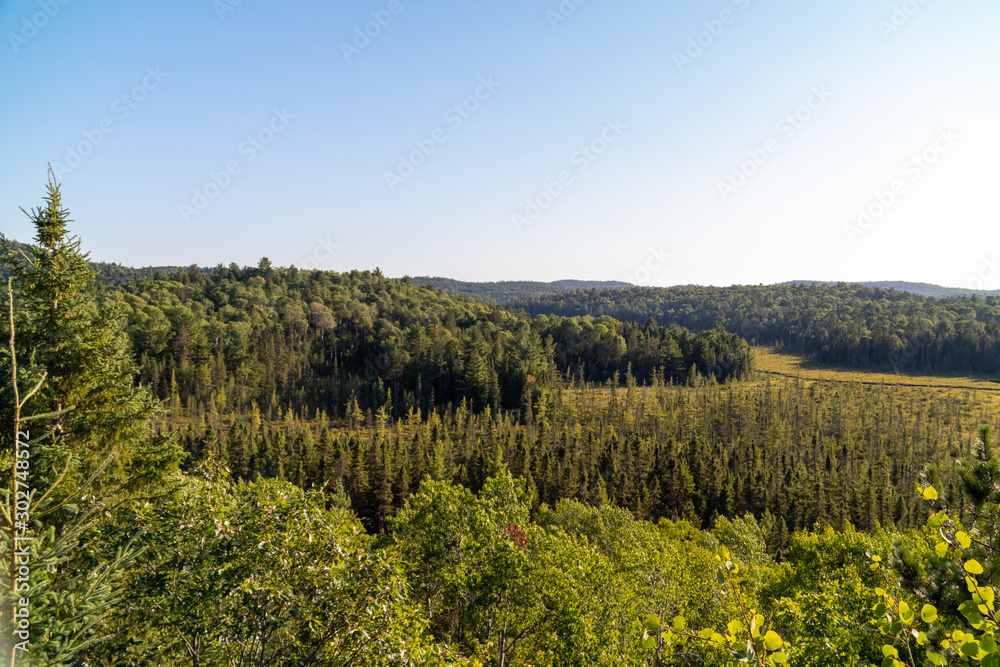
659 143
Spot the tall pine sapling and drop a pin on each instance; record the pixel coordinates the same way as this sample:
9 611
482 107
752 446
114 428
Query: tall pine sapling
80 344
88 445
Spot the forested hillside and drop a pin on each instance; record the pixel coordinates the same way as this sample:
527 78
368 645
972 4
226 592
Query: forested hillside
312 340
834 324
919 289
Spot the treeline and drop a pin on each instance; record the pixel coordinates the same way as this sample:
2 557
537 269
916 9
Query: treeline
313 340
505 291
835 324
802 454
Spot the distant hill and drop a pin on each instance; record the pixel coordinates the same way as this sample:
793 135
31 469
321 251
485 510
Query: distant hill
510 291
515 290
592 284
920 289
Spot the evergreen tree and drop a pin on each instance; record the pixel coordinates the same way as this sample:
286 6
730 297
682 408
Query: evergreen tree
99 413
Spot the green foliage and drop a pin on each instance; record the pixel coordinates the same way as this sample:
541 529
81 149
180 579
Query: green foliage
467 559
49 563
642 569
823 594
940 639
235 573
747 637
746 540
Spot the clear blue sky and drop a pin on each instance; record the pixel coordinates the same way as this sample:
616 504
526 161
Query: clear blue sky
183 87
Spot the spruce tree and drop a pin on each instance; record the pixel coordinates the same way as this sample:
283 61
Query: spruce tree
99 413
87 438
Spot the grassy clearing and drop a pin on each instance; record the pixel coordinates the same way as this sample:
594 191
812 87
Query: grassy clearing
794 366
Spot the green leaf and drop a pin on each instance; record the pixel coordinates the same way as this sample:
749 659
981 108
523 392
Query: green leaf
652 623
928 613
963 539
772 641
970 649
889 651
973 567
905 613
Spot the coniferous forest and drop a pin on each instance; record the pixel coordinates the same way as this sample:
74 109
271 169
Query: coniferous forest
839 324
273 466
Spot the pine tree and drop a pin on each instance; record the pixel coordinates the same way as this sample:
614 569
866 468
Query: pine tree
99 412
48 516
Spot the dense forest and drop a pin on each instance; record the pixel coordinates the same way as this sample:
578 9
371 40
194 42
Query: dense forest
794 454
313 340
266 466
834 324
